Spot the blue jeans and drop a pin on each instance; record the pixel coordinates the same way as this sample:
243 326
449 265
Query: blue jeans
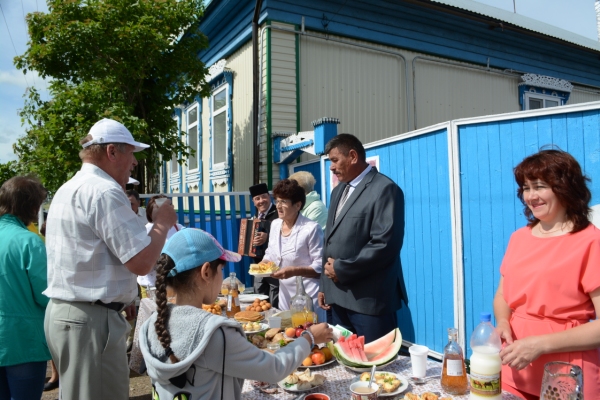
23 381
372 327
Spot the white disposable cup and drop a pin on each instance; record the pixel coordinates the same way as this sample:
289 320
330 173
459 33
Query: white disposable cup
275 322
418 360
161 201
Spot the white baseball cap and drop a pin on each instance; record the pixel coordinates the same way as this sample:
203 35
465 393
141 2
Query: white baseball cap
110 131
133 181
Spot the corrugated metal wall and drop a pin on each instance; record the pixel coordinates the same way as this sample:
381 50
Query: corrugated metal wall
445 92
491 211
240 63
363 88
283 84
582 95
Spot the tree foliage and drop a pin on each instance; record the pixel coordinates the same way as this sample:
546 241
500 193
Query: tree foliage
133 61
8 170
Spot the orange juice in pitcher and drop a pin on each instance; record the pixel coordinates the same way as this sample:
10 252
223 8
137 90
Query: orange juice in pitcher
301 317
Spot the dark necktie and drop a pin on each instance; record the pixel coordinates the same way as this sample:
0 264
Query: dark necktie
342 201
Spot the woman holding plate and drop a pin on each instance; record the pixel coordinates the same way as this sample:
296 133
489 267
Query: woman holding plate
295 245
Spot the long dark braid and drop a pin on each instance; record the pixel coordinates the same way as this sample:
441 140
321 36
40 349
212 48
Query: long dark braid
164 265
181 283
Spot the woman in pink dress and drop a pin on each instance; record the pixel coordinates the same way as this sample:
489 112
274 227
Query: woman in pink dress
549 293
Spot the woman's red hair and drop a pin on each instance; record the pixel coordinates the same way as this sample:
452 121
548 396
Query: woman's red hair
563 174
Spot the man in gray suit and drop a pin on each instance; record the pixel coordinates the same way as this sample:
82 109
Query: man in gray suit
362 284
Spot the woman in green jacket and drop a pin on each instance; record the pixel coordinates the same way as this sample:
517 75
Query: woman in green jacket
23 350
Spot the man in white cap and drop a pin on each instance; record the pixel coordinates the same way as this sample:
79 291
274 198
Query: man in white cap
96 247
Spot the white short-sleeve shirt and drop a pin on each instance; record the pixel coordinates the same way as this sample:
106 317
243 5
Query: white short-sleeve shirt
91 232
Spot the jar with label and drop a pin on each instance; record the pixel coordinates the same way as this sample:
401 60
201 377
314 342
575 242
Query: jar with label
454 374
233 299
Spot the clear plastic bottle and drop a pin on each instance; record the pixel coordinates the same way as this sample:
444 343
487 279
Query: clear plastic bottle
486 365
454 374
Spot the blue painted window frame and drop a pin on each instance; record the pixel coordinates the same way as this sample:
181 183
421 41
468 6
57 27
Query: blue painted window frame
194 176
222 171
175 178
525 91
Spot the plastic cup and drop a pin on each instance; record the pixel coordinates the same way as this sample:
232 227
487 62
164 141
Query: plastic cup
418 359
161 201
275 322
359 391
273 346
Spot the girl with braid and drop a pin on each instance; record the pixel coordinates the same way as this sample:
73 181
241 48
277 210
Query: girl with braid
194 354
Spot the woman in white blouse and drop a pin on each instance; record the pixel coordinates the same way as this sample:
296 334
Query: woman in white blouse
147 281
295 245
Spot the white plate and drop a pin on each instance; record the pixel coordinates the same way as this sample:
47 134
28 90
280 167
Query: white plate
319 366
263 327
403 385
293 387
355 369
249 298
263 275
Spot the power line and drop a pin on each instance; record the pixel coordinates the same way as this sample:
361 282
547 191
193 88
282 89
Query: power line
11 39
25 22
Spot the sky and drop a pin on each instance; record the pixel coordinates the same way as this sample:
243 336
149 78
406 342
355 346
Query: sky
577 16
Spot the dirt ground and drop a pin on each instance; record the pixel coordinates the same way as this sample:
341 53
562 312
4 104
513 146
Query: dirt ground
139 387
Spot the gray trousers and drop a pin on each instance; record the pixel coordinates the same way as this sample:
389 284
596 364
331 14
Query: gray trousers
87 343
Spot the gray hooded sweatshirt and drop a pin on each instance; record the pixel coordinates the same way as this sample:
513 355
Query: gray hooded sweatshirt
198 343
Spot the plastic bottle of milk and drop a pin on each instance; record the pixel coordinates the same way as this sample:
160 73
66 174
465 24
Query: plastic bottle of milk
485 361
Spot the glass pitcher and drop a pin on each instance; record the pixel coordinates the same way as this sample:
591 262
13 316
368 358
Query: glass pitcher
301 306
562 381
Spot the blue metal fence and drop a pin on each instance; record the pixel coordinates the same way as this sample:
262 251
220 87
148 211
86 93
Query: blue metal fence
220 215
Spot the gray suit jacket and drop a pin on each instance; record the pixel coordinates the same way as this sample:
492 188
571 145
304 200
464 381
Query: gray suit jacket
365 242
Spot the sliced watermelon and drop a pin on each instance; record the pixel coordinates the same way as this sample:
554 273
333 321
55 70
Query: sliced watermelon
342 339
386 354
349 352
380 345
352 337
361 340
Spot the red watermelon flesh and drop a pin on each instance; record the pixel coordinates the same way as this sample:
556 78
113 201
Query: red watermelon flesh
345 346
352 337
356 347
380 345
354 352
361 340
342 339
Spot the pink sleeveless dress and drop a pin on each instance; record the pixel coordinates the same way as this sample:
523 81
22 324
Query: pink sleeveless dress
547 282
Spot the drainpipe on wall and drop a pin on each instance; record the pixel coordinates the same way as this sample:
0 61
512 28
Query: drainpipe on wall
255 92
597 7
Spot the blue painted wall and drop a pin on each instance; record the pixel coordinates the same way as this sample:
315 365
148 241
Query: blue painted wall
427 250
315 170
491 211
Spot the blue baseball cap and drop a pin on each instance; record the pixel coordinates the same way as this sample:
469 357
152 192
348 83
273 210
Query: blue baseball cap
191 248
